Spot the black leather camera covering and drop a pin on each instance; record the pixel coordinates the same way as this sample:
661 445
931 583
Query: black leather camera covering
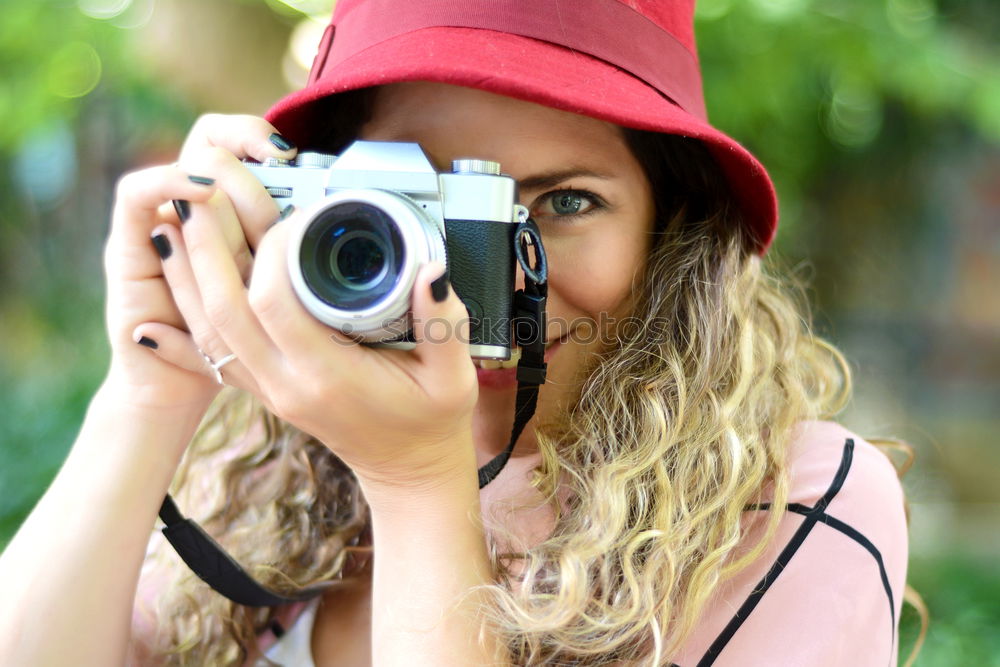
481 264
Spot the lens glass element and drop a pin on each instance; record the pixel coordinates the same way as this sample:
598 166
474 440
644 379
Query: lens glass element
351 255
357 260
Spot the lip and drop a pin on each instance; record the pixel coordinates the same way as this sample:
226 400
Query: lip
506 378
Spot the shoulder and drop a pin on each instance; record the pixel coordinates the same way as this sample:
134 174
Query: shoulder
852 494
816 452
828 587
819 450
846 477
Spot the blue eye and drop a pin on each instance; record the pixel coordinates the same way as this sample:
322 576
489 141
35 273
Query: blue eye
566 203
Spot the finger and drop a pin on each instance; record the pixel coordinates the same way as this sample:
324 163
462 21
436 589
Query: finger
145 299
243 136
176 347
254 209
224 295
171 344
440 325
184 289
139 198
297 333
219 211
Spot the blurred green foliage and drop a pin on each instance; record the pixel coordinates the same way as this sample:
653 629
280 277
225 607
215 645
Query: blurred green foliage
962 594
51 75
812 85
841 99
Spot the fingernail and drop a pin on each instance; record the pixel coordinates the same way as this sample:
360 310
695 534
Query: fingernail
285 212
439 287
183 208
281 142
201 180
162 245
148 342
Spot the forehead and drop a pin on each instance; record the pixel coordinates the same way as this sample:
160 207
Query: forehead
451 121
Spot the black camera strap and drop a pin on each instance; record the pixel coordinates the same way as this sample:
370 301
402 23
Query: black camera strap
529 334
218 569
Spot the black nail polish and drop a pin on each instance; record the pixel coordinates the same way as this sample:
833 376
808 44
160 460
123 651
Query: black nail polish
201 180
281 142
285 212
183 208
148 342
162 245
439 287
277 629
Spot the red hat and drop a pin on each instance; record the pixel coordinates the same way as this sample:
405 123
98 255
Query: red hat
629 62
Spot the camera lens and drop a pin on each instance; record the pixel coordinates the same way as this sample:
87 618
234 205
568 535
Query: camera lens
358 259
351 255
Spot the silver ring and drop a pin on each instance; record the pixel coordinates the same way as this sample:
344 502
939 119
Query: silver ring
217 365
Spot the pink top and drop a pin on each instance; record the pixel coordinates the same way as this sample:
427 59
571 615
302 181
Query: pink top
827 590
829 587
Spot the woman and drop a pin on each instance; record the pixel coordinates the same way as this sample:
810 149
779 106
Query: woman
672 501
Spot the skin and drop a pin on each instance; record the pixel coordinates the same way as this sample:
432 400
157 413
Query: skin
224 288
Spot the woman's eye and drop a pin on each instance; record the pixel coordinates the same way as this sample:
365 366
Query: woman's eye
566 203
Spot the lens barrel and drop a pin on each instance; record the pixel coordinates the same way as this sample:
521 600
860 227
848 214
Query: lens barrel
354 256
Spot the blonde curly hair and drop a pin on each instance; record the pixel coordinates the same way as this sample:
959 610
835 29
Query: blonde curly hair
679 423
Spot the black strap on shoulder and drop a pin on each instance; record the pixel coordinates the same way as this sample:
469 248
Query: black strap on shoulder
218 569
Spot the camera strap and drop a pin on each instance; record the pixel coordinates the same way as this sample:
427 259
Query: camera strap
529 334
213 565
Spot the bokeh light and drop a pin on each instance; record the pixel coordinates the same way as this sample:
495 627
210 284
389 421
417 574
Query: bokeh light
781 10
855 114
45 165
136 15
307 7
74 70
302 47
911 18
711 10
103 9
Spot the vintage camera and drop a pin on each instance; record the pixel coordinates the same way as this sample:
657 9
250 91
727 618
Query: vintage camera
369 218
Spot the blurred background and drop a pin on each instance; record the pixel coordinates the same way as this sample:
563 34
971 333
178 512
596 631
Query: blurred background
878 119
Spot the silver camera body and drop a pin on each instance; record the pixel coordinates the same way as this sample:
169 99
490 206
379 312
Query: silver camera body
368 219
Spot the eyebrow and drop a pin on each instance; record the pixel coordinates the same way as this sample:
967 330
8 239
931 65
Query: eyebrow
553 178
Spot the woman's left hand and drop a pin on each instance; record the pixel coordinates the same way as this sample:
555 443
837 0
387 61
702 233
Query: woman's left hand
397 418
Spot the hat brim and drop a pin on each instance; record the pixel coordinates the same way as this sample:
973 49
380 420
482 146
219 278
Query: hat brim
516 66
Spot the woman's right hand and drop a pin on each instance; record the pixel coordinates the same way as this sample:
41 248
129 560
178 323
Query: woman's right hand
141 312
